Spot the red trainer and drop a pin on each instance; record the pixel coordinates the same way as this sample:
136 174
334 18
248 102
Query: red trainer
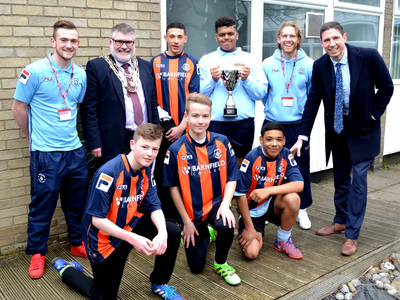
36 268
79 251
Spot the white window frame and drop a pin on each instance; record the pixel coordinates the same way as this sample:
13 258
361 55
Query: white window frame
396 11
257 13
396 16
328 6
360 7
368 13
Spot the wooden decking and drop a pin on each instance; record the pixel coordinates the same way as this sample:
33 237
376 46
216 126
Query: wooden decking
272 276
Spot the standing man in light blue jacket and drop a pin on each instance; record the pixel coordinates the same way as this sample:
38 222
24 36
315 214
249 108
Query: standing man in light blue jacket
251 87
289 72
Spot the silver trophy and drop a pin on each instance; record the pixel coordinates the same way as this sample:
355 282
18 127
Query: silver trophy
230 78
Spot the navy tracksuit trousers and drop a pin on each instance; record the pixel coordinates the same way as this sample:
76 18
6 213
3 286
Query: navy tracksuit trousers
64 172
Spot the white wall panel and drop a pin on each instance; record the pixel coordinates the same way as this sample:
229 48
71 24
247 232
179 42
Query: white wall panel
392 132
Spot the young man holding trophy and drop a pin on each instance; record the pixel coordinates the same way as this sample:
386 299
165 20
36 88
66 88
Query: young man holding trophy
233 81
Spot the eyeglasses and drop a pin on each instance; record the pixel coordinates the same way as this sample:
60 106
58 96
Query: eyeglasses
119 43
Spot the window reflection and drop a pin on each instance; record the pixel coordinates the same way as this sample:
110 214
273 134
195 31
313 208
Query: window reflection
395 67
361 30
274 15
199 18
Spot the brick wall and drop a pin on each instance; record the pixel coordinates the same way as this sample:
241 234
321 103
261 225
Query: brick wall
25 31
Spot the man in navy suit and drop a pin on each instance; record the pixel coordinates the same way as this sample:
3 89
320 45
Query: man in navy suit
352 123
120 96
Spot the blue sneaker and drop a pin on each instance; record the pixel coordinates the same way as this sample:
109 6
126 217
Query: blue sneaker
59 264
166 291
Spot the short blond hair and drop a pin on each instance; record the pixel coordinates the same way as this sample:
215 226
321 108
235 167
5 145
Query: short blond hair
197 98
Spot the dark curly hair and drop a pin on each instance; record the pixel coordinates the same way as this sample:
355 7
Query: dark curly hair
224 22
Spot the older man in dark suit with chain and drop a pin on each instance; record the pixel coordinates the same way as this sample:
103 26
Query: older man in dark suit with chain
120 96
345 78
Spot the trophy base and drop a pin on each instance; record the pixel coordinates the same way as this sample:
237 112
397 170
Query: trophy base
230 112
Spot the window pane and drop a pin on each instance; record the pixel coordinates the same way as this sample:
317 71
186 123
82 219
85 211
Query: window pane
395 68
375 3
274 15
199 18
361 30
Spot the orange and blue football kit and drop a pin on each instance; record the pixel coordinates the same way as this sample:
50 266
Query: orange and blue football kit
201 171
116 194
175 77
257 172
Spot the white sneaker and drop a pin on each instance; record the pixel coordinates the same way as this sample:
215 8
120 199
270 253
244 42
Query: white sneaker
303 220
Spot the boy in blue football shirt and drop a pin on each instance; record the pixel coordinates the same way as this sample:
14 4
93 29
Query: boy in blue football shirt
262 195
112 224
201 170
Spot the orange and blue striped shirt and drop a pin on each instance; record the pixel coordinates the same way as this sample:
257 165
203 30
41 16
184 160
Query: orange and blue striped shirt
175 77
258 171
116 193
201 172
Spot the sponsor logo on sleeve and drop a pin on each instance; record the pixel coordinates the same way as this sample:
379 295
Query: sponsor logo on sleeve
198 69
231 150
244 165
166 159
104 182
152 180
292 160
24 76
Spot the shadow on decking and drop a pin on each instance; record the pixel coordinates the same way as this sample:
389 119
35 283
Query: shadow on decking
272 276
